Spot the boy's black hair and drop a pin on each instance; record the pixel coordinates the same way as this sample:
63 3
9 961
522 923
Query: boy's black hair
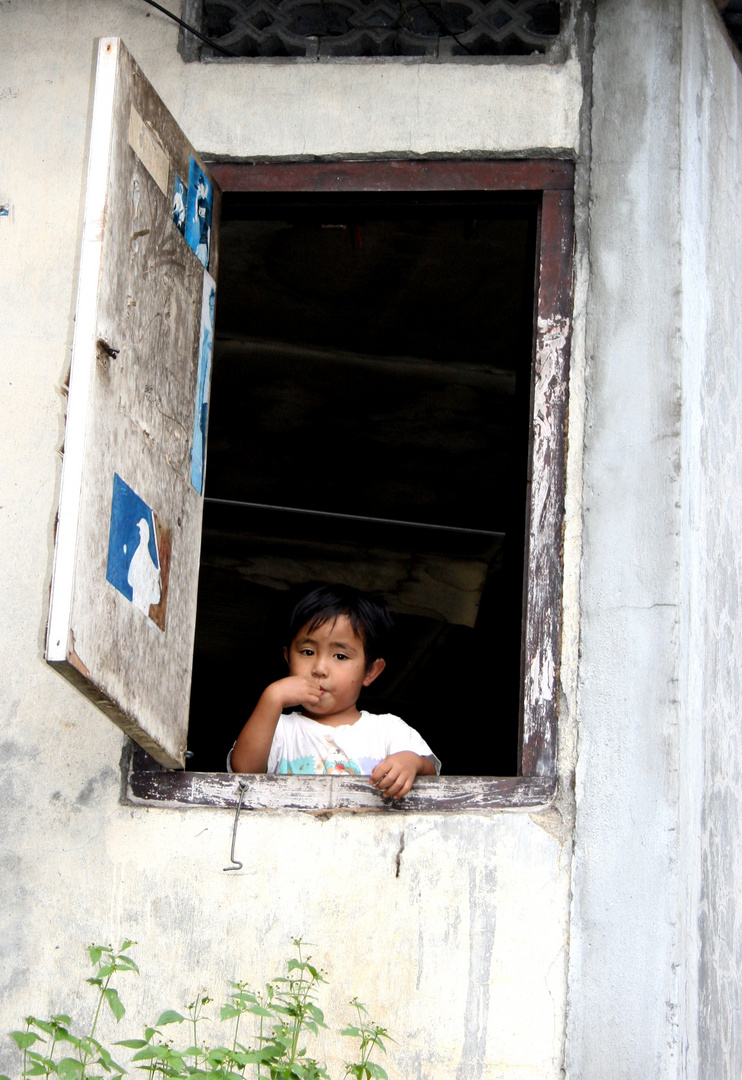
367 613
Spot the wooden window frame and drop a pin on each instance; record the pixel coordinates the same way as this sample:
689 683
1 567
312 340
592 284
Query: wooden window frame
535 786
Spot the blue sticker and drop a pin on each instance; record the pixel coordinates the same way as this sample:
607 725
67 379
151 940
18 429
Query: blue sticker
180 205
198 217
203 379
133 564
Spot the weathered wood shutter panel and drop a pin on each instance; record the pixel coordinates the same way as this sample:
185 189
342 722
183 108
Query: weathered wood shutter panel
123 602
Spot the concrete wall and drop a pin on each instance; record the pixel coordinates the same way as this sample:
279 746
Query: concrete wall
712 380
462 950
622 984
655 940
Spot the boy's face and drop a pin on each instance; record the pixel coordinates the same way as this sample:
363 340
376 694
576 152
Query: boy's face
333 657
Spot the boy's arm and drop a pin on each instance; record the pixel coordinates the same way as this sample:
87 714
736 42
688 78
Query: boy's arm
250 752
395 775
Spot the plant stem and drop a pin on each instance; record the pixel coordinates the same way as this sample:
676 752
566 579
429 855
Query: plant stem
260 1043
25 1051
86 1053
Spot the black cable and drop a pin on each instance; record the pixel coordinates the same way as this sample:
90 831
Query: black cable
352 517
190 29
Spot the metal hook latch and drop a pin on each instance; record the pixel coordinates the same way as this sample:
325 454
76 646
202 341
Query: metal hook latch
236 864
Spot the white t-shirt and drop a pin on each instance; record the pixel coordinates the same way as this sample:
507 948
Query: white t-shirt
304 746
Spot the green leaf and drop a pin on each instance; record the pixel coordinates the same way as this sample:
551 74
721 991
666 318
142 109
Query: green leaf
62 1018
33 1056
258 1010
170 1017
63 1035
126 945
114 1003
88 1045
227 1012
352 1032
24 1039
69 1069
375 1071
217 1055
125 963
240 1057
45 1025
105 1059
149 1052
252 1057
131 1044
95 952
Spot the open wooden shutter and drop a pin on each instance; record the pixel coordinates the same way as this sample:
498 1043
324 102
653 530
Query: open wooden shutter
123 599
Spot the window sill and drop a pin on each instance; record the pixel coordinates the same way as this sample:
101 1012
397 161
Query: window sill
323 794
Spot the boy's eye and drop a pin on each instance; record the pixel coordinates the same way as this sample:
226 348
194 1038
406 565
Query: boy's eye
306 652
340 656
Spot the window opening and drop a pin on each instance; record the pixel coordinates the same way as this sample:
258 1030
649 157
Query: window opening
369 424
437 29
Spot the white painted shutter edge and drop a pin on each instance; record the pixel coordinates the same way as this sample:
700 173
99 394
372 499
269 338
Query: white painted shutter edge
58 645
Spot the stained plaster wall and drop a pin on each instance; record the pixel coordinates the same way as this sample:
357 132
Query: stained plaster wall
454 928
711 178
655 955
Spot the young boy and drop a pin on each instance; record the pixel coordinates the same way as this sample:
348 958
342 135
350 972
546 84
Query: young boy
335 638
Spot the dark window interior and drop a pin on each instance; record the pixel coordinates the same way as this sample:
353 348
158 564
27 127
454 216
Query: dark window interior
369 424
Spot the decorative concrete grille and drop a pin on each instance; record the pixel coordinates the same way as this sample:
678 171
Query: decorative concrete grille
337 28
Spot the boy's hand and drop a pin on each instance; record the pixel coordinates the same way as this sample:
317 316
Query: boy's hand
251 751
395 775
292 691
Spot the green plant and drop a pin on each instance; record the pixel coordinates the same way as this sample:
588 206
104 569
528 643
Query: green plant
282 1015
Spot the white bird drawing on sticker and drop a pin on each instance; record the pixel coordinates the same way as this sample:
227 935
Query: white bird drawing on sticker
143 576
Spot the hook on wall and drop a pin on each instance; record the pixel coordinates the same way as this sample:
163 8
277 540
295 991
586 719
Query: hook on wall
236 864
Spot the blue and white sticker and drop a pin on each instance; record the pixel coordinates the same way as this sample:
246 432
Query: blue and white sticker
203 379
180 205
198 216
133 562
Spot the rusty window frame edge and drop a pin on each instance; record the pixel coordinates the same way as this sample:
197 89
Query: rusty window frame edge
536 787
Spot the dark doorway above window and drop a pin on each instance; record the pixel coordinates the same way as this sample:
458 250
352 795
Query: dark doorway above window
433 29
